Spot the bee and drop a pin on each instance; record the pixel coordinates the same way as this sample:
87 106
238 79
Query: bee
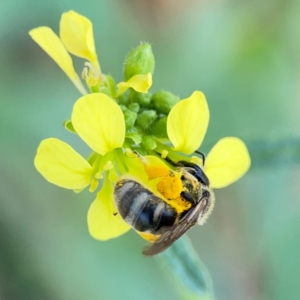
154 217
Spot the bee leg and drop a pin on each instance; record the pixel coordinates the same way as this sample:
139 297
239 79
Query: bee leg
186 196
206 196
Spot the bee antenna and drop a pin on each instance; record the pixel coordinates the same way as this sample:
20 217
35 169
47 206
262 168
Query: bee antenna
202 155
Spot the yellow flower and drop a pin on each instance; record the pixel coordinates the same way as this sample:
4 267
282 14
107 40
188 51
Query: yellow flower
60 164
76 32
100 122
187 123
76 37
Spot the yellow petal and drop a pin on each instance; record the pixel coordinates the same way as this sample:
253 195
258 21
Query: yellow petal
60 164
52 45
76 32
140 83
103 222
187 123
228 161
135 167
99 121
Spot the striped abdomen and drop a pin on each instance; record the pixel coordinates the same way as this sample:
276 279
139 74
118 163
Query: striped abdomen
140 208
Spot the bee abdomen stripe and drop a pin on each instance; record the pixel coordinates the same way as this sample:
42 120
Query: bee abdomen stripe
158 212
144 222
123 188
137 205
125 193
141 209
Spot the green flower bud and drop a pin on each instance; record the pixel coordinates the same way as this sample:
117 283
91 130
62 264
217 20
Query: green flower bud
130 118
123 99
105 91
143 99
133 134
148 142
146 118
159 128
109 82
123 107
139 61
134 107
163 101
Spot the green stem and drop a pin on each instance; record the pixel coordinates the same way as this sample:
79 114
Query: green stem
188 273
121 167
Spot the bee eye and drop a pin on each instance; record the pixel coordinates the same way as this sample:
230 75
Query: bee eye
193 171
198 173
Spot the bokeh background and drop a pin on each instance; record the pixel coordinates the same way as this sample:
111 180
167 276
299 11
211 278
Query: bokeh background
244 55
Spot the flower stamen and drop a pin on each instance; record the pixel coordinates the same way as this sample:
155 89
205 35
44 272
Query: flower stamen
108 166
93 185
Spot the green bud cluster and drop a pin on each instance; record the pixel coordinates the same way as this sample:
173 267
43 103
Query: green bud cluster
151 109
145 114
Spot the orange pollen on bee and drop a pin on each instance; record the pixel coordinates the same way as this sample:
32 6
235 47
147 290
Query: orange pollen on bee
156 171
171 187
180 204
148 236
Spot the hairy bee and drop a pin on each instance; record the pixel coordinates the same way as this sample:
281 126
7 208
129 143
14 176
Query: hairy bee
154 217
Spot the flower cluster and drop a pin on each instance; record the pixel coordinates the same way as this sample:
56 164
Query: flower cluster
119 120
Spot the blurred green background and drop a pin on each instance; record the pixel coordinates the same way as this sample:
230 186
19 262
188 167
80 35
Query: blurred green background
244 55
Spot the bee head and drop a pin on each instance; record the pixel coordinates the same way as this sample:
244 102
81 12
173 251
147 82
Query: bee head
194 170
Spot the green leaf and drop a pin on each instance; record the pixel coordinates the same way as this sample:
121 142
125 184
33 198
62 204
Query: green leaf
188 273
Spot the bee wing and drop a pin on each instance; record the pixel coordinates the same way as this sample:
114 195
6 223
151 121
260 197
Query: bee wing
172 233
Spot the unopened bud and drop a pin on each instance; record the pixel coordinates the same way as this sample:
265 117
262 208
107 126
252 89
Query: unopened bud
130 118
159 128
148 142
163 101
139 61
133 135
123 99
146 118
109 82
105 90
143 99
134 107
